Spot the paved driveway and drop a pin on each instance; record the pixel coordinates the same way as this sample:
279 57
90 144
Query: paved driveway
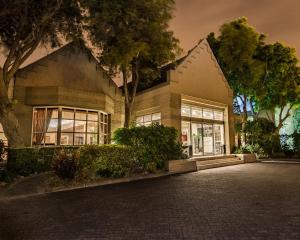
250 201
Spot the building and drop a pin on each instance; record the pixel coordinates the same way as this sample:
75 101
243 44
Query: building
66 98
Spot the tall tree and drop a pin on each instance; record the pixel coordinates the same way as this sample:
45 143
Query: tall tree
235 48
134 38
24 25
279 86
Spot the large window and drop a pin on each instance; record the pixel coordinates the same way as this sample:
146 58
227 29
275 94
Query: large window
2 135
69 126
149 119
199 112
203 131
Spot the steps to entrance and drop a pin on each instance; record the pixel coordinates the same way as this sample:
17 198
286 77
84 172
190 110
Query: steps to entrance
217 161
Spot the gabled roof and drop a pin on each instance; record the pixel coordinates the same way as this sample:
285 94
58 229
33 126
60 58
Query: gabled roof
171 66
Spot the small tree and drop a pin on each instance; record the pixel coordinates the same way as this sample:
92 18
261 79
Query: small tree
134 39
24 25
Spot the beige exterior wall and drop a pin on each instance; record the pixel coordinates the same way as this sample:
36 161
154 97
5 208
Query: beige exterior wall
68 77
197 80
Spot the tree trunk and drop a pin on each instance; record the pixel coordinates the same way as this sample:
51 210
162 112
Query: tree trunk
127 116
9 120
244 121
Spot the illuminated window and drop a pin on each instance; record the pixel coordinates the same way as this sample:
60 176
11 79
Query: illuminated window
69 126
201 113
149 119
2 136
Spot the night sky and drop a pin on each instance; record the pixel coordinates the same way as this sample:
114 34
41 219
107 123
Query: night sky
278 19
194 19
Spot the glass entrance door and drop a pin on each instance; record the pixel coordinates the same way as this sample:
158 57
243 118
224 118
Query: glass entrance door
208 139
197 138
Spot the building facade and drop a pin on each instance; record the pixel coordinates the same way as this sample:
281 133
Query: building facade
66 98
195 98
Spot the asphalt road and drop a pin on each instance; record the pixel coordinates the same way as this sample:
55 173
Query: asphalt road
249 201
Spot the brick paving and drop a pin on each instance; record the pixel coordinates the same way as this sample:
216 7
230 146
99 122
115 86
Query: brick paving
250 201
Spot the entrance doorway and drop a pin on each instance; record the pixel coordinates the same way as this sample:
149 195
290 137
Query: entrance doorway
205 139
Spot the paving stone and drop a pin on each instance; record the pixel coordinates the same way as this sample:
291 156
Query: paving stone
251 201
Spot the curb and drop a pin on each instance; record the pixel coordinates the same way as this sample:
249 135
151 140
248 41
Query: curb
104 183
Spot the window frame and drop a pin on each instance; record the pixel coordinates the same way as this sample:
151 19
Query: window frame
147 123
103 127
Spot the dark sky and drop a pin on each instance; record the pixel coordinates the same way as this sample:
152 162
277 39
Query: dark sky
278 19
194 19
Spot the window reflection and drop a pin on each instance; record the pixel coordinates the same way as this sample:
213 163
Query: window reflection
75 126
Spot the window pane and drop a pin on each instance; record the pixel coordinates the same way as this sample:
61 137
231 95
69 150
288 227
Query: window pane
105 130
79 138
93 116
92 138
66 139
147 124
80 126
68 113
101 117
54 112
38 139
185 111
139 119
147 118
196 112
92 127
1 128
218 115
208 114
156 116
52 126
3 138
50 139
67 125
80 115
105 118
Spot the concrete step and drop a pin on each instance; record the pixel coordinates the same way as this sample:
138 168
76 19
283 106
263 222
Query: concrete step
207 164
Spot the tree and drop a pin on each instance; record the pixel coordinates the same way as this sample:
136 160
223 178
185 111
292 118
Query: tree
24 25
235 48
279 86
134 38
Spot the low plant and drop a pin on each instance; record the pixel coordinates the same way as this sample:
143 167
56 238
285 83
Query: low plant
107 160
27 161
66 164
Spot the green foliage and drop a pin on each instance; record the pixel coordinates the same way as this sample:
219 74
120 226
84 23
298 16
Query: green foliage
65 164
3 152
154 144
6 176
262 132
251 148
106 161
26 161
235 49
135 38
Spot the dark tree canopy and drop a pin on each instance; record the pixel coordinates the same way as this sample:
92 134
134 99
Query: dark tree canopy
24 25
135 39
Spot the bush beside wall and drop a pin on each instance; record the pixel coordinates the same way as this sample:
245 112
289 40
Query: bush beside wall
26 161
153 145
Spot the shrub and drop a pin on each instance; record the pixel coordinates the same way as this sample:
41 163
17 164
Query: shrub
251 148
26 161
153 144
107 161
65 164
6 176
3 152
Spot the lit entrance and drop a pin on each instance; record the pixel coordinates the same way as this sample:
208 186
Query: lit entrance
206 139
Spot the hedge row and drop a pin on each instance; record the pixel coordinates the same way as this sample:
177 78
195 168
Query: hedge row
26 161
